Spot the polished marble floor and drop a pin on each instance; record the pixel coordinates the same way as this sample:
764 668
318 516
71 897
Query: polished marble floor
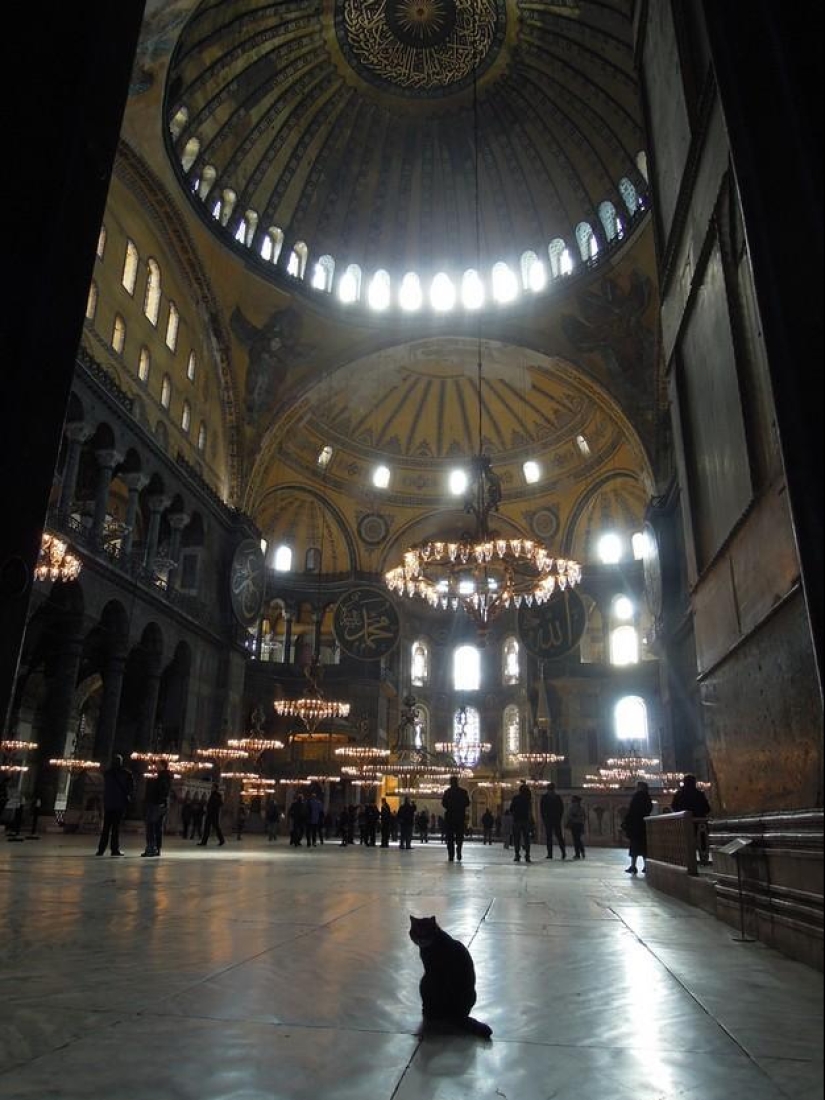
261 972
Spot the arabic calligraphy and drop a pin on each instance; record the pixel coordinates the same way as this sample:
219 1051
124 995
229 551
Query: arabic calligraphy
366 624
246 582
427 45
554 628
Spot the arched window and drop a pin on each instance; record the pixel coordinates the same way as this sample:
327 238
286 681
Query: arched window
378 295
641 164
533 274
191 366
472 290
207 181
151 300
245 232
421 736
186 417
324 274
144 365
190 153
586 238
442 293
229 199
91 302
467 736
101 242
638 544
272 244
349 285
607 216
467 668
511 730
202 437
610 549
505 283
630 717
172 326
510 661
420 664
624 645
130 268
410 296
283 559
298 260
166 391
629 195
312 560
555 251
178 122
118 335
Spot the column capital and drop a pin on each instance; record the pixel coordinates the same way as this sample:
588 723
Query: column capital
178 520
77 431
108 458
158 503
135 481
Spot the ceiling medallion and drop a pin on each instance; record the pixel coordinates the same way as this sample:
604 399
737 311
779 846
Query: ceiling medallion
420 45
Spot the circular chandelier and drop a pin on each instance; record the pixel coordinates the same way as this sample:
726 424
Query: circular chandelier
55 561
482 573
363 753
312 709
252 745
74 764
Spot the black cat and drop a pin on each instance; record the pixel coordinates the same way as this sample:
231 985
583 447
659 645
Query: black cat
448 988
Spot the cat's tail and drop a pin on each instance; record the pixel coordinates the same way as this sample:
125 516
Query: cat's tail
476 1027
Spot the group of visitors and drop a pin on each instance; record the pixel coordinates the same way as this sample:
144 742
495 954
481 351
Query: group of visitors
309 823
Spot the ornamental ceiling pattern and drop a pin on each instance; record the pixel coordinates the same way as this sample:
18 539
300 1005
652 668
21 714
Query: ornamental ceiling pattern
350 126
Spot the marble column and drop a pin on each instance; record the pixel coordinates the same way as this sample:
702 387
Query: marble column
58 707
134 483
287 639
157 504
109 706
76 435
177 522
107 460
146 726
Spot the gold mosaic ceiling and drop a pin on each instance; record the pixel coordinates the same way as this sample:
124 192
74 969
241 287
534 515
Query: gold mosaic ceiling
349 124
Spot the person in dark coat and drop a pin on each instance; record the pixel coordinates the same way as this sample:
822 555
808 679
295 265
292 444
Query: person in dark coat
551 807
157 805
406 823
487 823
690 798
186 813
521 807
456 802
641 806
198 814
118 788
213 817
386 823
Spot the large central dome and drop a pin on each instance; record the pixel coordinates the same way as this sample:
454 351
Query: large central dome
402 135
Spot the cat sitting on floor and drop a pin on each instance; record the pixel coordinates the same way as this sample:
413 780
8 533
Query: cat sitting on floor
448 988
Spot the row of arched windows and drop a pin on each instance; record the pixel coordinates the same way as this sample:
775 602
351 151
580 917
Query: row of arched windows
630 723
144 370
377 289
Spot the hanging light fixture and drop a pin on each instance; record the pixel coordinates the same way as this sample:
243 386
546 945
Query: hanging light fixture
466 747
481 572
55 561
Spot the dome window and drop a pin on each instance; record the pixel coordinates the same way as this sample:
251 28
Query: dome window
472 290
505 284
378 295
349 287
323 274
442 293
410 296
